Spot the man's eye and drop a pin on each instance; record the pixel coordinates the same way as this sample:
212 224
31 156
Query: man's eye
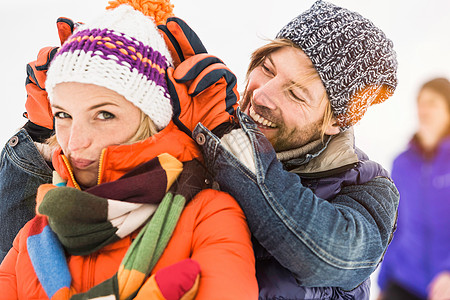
266 70
295 97
61 115
104 115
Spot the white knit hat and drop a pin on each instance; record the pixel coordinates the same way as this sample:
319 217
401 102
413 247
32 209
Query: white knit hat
122 51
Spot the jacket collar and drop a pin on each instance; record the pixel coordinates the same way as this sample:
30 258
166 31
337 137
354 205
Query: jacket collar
338 153
118 160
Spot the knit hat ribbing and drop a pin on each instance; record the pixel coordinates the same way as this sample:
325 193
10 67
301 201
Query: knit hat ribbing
355 60
122 51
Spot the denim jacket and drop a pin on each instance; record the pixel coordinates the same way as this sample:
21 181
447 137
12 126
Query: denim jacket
22 171
336 241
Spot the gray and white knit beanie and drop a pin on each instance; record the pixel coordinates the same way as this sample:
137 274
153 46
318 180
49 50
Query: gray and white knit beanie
355 60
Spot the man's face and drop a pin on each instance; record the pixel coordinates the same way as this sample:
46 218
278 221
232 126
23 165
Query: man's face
287 101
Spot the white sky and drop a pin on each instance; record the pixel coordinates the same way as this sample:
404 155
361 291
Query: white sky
232 30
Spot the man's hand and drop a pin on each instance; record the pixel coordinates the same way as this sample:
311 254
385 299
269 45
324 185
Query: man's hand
181 40
203 90
37 104
201 86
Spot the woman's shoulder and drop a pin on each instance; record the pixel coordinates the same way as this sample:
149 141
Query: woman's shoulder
213 200
211 207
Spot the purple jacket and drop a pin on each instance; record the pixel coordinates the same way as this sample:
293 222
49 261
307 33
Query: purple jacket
421 245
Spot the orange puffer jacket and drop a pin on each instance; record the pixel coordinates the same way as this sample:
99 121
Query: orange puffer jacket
212 230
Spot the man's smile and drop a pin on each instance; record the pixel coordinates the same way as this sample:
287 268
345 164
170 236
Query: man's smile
260 120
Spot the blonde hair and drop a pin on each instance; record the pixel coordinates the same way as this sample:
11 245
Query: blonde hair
257 58
146 129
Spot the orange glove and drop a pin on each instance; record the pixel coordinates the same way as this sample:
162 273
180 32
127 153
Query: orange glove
38 110
181 40
201 86
37 105
203 90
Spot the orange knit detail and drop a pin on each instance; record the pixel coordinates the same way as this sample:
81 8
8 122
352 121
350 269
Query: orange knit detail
159 10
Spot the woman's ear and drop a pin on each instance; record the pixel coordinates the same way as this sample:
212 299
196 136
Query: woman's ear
332 128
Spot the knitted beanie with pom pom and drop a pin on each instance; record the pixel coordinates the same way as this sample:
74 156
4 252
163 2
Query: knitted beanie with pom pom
123 51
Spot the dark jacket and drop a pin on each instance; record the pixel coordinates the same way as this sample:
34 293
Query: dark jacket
326 223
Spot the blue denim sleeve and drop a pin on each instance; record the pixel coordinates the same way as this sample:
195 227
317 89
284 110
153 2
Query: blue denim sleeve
323 243
22 171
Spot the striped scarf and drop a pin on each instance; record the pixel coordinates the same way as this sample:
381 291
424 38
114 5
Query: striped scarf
82 222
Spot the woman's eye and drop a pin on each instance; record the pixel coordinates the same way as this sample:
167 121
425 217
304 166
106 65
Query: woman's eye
61 115
104 115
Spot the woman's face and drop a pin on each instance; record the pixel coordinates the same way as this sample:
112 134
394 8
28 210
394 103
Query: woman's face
433 111
89 118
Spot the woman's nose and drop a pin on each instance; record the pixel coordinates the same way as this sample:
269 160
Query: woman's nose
80 137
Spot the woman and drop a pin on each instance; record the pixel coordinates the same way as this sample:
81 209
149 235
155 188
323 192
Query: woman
417 264
124 172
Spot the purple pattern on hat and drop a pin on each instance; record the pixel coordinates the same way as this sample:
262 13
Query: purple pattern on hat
111 45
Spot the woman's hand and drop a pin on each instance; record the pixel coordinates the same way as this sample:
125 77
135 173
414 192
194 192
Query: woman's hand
440 287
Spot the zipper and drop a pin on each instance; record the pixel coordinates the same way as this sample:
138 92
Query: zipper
327 173
72 176
100 166
69 169
89 281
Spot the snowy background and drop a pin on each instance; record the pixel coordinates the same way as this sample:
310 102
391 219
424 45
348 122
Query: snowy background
232 30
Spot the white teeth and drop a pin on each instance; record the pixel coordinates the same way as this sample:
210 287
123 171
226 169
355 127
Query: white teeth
257 118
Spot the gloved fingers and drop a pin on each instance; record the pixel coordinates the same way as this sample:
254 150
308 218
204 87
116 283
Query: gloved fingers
36 71
181 40
44 58
65 27
38 107
178 94
217 74
205 70
193 66
210 76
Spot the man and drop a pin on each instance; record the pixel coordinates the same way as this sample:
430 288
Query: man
321 212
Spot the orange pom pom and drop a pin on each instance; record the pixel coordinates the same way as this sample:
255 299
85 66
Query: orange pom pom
159 10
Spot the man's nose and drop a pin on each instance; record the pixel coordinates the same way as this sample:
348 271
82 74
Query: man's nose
267 95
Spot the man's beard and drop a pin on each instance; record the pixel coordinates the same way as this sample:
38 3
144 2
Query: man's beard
286 139
297 137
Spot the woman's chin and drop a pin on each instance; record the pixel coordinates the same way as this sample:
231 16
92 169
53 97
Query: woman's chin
86 180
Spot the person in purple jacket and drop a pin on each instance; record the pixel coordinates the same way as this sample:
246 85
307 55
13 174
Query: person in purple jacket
417 263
